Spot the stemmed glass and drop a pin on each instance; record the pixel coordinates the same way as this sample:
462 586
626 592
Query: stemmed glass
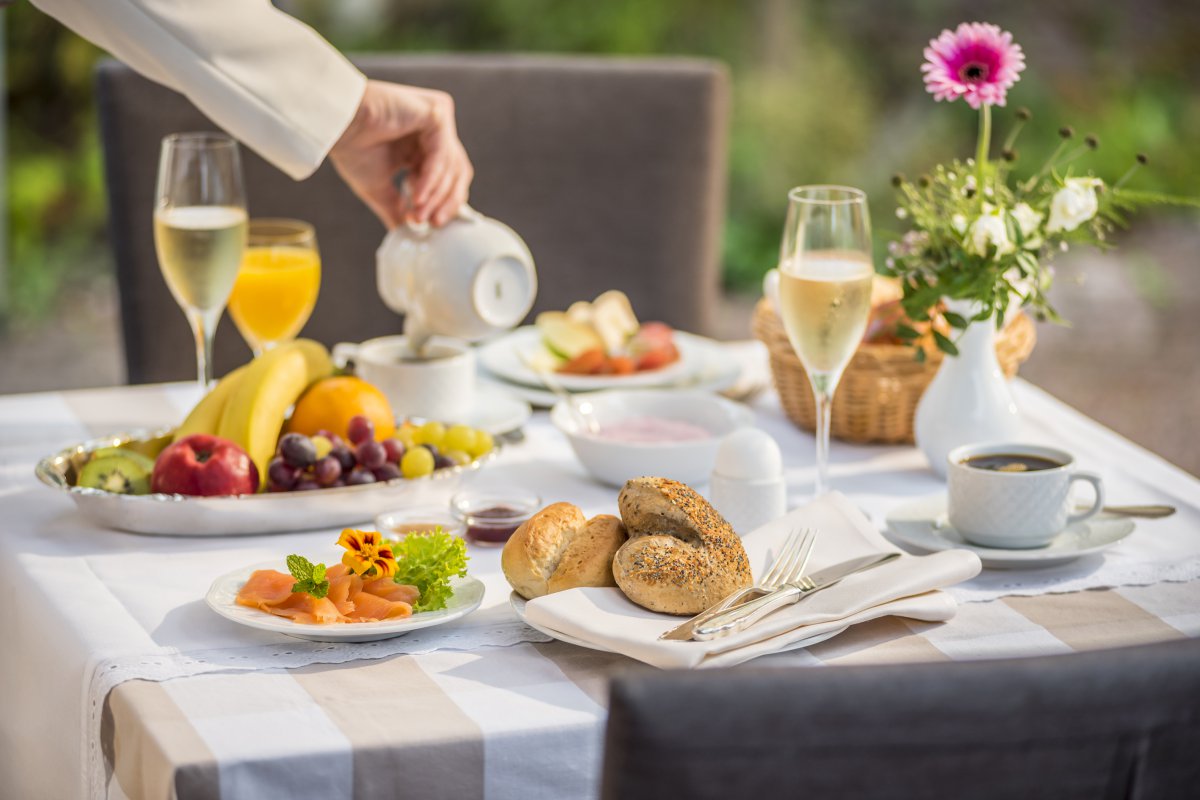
825 291
277 284
200 230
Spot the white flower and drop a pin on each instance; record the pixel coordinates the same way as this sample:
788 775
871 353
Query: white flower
901 213
989 228
1074 204
1028 221
959 223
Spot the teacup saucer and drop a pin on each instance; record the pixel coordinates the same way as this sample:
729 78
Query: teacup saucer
922 523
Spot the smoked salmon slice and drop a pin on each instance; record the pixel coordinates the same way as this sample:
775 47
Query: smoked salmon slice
350 598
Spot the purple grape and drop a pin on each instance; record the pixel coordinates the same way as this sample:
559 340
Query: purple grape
337 483
327 470
306 484
441 462
297 450
371 454
360 429
359 476
388 472
433 449
333 438
344 457
394 450
282 474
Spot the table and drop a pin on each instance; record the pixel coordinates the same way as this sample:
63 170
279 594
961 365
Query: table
525 719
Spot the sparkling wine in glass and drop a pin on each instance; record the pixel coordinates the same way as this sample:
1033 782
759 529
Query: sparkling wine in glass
277 284
200 230
825 291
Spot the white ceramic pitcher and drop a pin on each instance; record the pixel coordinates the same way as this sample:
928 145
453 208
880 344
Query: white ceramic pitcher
470 279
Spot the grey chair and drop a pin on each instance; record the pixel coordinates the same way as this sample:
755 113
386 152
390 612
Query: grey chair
1111 724
613 170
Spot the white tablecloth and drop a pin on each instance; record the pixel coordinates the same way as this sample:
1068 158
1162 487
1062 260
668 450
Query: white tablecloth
84 602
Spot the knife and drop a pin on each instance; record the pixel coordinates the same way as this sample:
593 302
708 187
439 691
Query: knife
745 615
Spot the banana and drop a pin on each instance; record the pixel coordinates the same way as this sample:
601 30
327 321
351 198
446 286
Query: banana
206 416
258 404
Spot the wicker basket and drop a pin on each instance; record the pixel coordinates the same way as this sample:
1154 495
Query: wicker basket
878 393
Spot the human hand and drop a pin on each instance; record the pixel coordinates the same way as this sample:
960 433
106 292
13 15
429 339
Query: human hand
403 127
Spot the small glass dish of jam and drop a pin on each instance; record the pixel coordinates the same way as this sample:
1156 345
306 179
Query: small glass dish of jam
493 515
398 524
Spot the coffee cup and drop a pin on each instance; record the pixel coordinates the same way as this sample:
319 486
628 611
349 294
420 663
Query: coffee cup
439 384
1014 496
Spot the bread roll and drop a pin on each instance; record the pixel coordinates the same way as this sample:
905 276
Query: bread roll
558 548
682 556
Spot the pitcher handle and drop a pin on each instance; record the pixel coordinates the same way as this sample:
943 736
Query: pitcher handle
343 354
1097 484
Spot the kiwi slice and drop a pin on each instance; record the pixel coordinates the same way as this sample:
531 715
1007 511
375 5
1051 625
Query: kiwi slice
123 451
117 473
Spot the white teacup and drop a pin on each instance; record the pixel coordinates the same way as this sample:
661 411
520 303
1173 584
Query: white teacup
1014 509
440 386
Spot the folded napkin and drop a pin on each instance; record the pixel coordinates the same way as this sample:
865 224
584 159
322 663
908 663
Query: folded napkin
906 586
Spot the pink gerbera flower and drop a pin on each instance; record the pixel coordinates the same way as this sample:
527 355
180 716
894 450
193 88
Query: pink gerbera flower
977 61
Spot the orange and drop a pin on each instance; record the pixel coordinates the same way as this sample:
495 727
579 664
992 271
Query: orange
329 404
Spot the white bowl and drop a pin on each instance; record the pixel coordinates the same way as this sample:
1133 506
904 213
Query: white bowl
614 462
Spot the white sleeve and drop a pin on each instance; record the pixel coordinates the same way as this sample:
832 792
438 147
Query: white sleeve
266 78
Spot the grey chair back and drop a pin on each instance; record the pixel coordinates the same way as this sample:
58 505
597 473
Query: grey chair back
1112 724
613 170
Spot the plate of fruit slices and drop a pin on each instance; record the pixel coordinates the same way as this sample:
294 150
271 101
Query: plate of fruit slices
521 357
285 509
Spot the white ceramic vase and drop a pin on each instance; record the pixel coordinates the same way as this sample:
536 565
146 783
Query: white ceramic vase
968 400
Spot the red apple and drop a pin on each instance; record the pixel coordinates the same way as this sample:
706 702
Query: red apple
204 466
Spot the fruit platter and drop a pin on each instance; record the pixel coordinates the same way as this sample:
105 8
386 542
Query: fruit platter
593 345
280 444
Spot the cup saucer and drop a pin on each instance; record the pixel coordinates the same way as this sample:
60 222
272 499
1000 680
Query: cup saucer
922 523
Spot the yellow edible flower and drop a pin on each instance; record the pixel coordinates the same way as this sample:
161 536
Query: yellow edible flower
365 552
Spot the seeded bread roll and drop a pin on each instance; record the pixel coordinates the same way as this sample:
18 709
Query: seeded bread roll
682 556
559 548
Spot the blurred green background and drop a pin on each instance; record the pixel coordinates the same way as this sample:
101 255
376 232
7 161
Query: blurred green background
823 91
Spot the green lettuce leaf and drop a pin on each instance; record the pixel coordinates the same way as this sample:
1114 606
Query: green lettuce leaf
428 561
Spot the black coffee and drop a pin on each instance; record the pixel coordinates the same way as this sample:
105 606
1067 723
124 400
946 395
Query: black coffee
1011 462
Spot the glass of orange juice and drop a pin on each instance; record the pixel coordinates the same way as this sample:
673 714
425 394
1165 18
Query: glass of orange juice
277 284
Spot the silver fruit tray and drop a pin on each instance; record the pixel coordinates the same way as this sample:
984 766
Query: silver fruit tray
239 515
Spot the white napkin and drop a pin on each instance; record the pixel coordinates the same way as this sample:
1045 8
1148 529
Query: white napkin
904 587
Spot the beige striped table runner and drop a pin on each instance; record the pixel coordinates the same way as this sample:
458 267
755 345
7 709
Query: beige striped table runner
524 720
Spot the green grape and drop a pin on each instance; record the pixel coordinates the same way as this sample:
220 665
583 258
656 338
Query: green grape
459 437
417 463
431 433
459 457
483 444
323 446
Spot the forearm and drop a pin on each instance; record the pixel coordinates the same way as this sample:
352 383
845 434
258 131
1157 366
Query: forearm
261 75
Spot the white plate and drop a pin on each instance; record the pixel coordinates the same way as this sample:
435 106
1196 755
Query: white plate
518 605
497 409
502 357
282 512
717 369
922 524
468 594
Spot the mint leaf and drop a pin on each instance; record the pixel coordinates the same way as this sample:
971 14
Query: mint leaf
310 578
300 567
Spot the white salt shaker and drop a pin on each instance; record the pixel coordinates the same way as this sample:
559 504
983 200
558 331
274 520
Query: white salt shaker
747 484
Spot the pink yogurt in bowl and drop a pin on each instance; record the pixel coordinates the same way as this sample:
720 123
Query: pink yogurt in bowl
652 430
661 432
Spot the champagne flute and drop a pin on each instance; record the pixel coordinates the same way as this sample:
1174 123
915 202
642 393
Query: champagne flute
277 285
200 230
825 275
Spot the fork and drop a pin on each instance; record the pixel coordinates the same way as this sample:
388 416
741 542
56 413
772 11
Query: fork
788 566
